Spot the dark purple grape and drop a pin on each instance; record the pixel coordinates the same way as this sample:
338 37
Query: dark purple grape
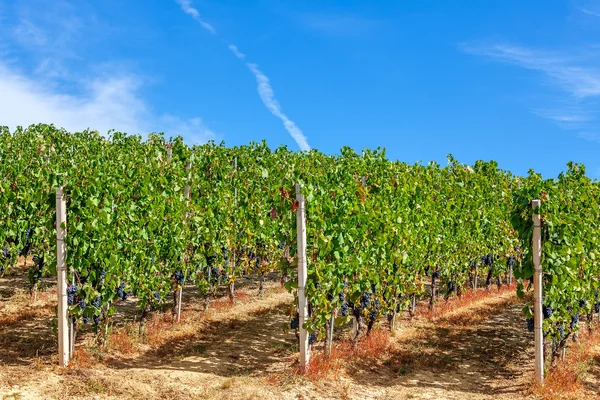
71 292
294 323
365 300
344 309
530 325
82 304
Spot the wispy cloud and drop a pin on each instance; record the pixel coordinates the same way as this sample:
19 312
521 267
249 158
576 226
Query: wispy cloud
579 77
595 13
186 6
265 90
580 81
237 53
103 104
267 96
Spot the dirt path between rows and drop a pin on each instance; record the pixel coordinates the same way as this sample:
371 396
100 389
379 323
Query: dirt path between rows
479 351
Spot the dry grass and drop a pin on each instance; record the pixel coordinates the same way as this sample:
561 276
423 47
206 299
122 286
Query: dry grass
408 345
122 342
82 359
444 311
346 353
565 379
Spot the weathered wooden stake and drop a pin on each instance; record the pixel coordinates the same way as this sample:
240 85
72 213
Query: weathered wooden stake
61 275
302 276
186 194
537 293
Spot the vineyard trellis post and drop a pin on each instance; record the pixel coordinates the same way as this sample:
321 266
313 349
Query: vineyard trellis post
186 195
302 277
537 292
61 275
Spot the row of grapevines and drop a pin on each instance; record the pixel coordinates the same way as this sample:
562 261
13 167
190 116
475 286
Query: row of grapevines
570 214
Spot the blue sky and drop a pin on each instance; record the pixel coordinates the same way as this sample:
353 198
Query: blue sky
513 81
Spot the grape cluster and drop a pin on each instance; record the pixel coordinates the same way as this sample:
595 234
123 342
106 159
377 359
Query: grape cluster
102 278
71 292
582 303
451 287
6 252
530 325
82 304
214 273
561 331
123 295
574 321
156 296
486 259
344 309
437 274
547 311
597 307
96 320
39 264
511 262
365 300
96 301
312 338
344 306
86 319
372 315
27 247
295 323
179 277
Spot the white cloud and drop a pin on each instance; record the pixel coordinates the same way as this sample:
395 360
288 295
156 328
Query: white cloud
186 6
265 91
590 12
103 104
579 80
193 130
237 53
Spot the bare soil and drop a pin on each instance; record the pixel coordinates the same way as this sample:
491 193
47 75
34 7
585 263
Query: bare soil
479 350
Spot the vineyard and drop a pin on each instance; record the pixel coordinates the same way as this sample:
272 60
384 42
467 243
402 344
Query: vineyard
148 219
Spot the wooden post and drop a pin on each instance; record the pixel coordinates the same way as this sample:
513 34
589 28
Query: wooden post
61 275
330 334
537 294
302 276
186 194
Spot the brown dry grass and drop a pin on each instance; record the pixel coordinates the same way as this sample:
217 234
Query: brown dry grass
566 379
